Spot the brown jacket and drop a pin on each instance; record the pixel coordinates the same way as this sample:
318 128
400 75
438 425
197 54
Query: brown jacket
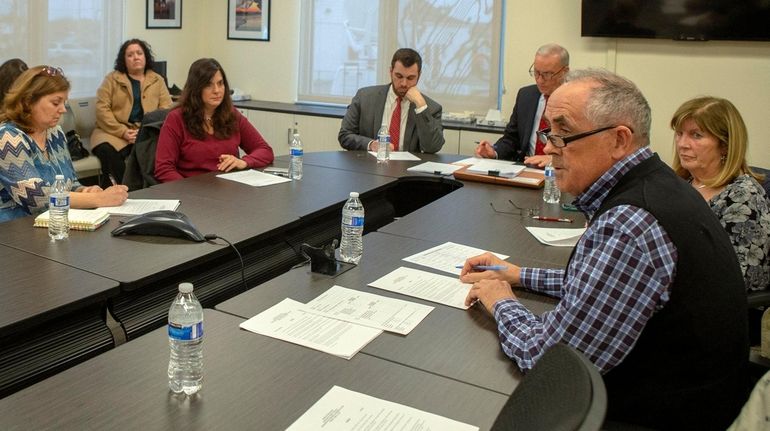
114 100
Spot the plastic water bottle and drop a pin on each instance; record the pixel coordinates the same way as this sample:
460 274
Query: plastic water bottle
58 209
295 171
185 337
352 244
383 144
551 193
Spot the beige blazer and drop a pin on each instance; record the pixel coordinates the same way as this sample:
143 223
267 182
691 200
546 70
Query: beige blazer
114 100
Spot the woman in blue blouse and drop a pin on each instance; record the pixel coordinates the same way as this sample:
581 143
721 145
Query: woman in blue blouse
33 148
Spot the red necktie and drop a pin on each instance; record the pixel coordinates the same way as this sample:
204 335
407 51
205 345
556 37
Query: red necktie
395 124
539 145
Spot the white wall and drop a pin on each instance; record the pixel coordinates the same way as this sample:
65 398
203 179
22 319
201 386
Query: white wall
667 72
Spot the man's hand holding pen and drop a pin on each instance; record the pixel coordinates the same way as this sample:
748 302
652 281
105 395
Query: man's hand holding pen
491 277
485 150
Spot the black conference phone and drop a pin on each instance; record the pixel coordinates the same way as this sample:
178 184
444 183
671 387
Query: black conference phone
160 223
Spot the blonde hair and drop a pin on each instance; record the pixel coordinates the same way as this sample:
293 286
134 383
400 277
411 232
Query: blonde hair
27 89
721 119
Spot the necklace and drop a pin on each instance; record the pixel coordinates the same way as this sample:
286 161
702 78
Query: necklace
692 183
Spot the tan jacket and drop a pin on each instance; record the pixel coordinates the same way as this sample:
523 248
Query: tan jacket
114 100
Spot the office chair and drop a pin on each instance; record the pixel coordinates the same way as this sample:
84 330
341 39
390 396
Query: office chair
140 164
563 391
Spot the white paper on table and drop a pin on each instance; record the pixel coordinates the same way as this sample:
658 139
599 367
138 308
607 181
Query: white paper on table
425 285
368 309
341 409
142 206
507 170
557 237
447 256
469 161
288 321
254 178
399 155
434 168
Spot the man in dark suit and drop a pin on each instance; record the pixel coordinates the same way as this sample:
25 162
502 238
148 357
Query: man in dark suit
520 142
413 119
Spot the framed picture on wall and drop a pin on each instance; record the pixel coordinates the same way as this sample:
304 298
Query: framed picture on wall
164 14
248 19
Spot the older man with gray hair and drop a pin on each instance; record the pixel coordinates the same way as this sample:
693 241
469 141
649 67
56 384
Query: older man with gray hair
652 294
520 141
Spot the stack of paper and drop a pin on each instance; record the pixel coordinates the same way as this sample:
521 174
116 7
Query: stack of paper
342 410
340 321
288 321
78 219
425 285
398 155
447 256
254 178
434 168
142 206
557 237
368 309
496 167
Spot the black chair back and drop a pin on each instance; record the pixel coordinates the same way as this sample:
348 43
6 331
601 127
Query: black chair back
562 392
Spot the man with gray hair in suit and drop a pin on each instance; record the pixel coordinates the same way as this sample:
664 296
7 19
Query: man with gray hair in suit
413 119
519 141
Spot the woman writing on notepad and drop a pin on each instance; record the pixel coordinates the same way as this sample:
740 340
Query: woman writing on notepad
33 148
205 132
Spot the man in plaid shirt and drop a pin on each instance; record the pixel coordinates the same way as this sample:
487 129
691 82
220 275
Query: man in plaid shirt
652 293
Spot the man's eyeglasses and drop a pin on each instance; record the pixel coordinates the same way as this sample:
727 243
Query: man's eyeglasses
519 211
50 71
545 75
561 141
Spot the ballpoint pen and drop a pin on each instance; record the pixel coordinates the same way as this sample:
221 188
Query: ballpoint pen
486 267
542 218
112 180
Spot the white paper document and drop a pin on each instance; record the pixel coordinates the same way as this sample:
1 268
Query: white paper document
507 170
142 206
368 309
447 256
341 409
557 237
434 168
399 155
288 321
254 178
425 285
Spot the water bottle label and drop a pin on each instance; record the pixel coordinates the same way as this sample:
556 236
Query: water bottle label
357 221
60 201
384 138
296 151
550 172
185 333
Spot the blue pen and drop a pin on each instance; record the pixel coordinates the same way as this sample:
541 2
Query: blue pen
486 267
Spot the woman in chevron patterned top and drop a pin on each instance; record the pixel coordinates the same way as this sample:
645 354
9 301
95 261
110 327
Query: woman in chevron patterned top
33 148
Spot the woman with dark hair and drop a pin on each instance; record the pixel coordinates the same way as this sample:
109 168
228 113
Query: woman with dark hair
9 71
33 148
126 94
204 133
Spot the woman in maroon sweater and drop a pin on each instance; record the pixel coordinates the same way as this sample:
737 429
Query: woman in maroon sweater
204 133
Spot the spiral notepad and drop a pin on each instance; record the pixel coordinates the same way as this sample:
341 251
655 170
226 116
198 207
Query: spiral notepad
78 219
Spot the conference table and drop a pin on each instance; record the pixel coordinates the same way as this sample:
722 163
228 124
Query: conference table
250 383
406 213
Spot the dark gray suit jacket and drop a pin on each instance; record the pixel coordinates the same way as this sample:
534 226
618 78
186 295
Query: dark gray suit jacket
363 119
514 144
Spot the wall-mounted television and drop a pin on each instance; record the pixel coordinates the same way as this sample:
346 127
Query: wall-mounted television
677 19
